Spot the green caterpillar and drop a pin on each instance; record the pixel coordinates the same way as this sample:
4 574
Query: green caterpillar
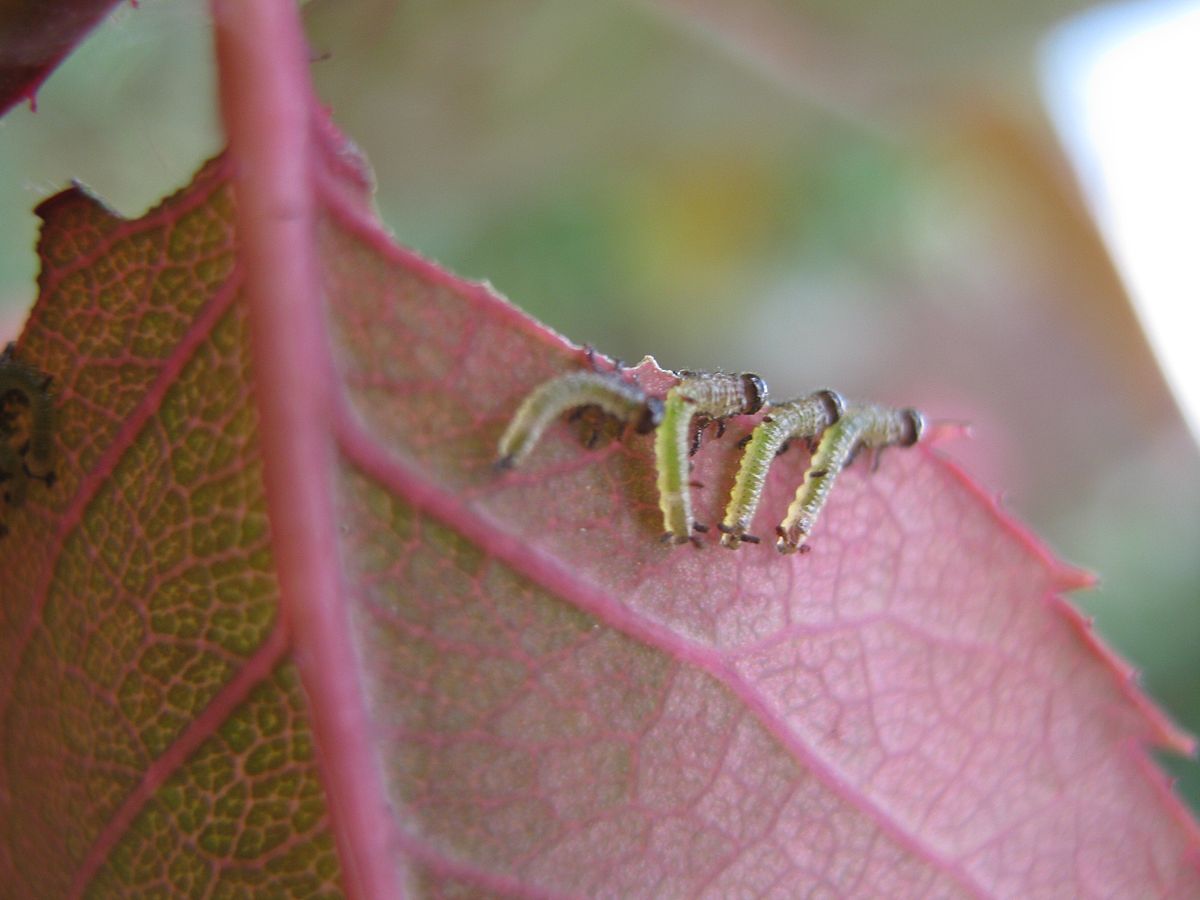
712 396
806 417
870 426
695 400
610 392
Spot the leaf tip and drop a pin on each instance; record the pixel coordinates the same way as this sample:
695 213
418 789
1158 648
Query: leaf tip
945 430
1068 578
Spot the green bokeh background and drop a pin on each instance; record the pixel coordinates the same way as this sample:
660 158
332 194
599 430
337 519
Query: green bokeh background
863 195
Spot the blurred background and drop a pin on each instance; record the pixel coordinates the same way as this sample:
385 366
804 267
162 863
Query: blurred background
869 195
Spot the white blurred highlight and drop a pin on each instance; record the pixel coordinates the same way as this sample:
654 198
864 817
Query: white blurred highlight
1123 87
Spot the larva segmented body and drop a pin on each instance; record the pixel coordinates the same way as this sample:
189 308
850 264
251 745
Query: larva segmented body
32 458
34 386
610 392
806 417
12 474
714 396
869 426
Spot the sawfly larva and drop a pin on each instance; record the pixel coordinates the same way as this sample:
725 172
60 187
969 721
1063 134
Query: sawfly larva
806 417
712 396
34 387
26 427
616 397
868 426
11 470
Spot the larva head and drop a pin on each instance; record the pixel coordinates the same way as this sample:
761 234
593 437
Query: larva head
650 417
915 426
755 391
835 405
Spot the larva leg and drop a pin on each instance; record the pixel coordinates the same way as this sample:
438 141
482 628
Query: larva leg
594 425
794 419
593 439
12 474
699 423
869 427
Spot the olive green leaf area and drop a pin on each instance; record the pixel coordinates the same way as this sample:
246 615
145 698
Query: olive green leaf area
155 737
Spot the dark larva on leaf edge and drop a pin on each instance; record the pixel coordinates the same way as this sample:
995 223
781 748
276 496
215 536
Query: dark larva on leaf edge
29 456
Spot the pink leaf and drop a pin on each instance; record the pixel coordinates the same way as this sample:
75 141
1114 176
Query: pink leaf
512 686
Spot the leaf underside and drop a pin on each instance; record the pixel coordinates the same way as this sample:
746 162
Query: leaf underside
561 704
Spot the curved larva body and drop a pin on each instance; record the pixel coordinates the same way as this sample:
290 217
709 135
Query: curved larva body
613 394
34 458
33 385
715 396
804 418
874 427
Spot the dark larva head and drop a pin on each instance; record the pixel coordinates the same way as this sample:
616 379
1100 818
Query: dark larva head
916 426
756 393
651 416
835 406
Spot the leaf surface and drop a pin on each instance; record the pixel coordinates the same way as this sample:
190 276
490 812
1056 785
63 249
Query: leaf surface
499 684
559 701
